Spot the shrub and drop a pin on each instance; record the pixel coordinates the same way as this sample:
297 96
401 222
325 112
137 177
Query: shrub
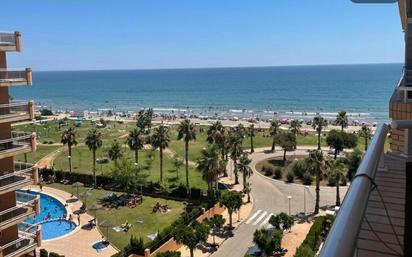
44 253
298 168
135 246
52 254
46 112
307 179
268 170
290 177
278 173
332 180
169 254
304 251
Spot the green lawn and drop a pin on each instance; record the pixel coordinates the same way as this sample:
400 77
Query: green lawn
152 222
178 146
42 150
82 163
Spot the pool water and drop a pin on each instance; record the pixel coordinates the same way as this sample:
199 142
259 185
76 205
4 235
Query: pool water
52 227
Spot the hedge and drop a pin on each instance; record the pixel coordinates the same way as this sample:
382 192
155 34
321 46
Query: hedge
314 238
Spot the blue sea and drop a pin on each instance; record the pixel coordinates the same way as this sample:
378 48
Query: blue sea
361 90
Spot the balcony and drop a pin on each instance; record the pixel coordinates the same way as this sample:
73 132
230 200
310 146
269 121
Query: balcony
19 143
10 41
27 242
15 77
16 111
28 205
24 174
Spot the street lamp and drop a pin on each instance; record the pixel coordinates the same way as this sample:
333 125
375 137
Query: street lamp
304 199
289 199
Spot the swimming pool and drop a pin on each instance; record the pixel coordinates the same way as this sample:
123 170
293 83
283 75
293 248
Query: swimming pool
50 213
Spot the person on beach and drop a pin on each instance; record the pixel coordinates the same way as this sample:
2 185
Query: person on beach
78 219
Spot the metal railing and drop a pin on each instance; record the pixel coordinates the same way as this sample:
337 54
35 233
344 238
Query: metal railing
8 38
24 242
23 173
343 235
21 210
17 141
16 76
17 109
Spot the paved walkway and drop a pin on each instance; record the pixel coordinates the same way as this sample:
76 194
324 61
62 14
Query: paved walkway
271 197
76 243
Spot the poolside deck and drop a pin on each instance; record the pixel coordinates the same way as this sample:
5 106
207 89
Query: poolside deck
77 243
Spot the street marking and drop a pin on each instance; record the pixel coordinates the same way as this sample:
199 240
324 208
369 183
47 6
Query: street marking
253 216
260 218
266 220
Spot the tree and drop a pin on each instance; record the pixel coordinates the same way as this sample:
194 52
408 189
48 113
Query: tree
319 123
267 241
115 151
295 127
353 161
235 144
150 155
273 132
366 133
342 120
127 176
192 235
339 140
46 112
135 141
217 134
169 254
281 221
317 166
337 168
144 120
216 222
287 140
160 139
244 168
187 132
210 165
177 163
232 200
94 141
251 134
68 138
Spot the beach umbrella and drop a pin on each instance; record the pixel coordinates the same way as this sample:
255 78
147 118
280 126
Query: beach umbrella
95 207
85 195
107 224
77 185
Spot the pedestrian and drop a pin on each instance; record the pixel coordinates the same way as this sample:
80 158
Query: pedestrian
41 187
78 219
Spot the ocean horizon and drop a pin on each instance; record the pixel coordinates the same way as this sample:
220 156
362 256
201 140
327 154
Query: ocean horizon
363 90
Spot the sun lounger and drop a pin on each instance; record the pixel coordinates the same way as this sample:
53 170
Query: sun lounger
118 229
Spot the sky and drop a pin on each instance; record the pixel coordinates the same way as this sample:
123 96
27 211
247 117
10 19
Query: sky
157 34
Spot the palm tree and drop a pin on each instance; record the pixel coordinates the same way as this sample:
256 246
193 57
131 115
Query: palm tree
94 141
217 134
366 133
210 165
160 139
337 169
342 120
68 138
294 127
187 132
273 131
115 151
244 168
317 166
135 141
235 143
251 134
319 123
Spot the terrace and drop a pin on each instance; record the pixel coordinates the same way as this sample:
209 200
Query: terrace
27 206
26 243
16 111
15 77
10 41
18 143
24 174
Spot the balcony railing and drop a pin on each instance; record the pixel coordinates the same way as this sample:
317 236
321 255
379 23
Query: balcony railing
16 111
20 142
24 174
343 235
26 243
10 41
15 77
27 206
